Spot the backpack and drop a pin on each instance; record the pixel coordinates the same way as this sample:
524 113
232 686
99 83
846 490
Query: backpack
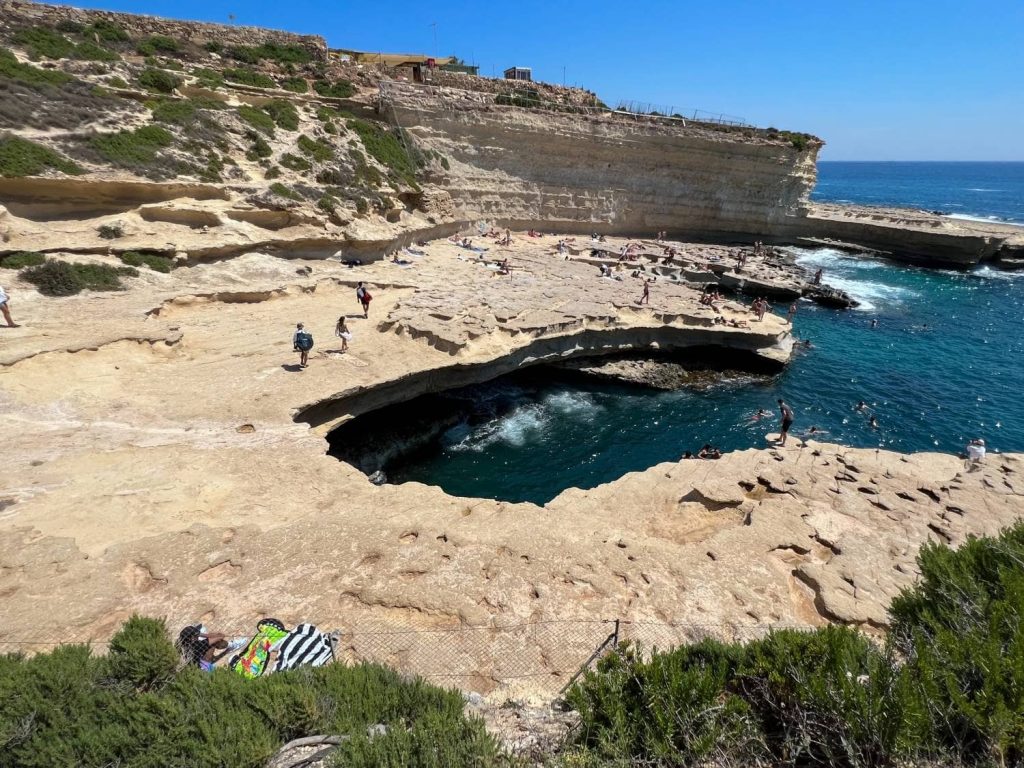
304 340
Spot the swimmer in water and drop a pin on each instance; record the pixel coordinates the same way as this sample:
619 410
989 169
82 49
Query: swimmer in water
874 323
813 431
873 423
862 406
761 413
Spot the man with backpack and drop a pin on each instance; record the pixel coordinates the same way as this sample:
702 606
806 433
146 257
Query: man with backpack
364 298
302 341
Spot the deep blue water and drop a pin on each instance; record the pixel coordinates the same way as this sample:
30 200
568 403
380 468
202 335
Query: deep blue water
992 191
943 365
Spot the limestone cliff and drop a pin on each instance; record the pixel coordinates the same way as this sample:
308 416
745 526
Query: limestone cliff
594 170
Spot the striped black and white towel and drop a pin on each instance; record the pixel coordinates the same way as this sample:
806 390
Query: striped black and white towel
305 646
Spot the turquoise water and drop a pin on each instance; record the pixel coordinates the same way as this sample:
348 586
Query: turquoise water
943 365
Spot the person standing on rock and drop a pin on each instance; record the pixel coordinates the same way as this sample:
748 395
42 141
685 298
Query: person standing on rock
792 311
302 341
646 297
364 298
787 420
5 308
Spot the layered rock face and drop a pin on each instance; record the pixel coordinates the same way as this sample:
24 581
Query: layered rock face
601 171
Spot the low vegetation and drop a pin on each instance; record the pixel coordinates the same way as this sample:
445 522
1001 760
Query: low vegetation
295 84
339 89
257 118
281 190
283 113
318 149
293 163
259 148
110 231
386 148
11 68
136 149
946 688
154 261
61 278
134 708
282 54
158 80
208 78
155 44
21 157
247 76
21 259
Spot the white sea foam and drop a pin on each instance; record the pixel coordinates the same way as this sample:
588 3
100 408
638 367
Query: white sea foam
983 189
982 219
840 272
517 428
575 404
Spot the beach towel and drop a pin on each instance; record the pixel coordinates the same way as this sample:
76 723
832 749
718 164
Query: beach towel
305 646
252 661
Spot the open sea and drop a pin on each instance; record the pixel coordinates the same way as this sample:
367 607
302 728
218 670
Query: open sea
943 365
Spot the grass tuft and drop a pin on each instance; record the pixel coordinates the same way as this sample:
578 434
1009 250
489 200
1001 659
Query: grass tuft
154 261
133 149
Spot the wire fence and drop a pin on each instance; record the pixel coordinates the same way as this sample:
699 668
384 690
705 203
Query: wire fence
536 656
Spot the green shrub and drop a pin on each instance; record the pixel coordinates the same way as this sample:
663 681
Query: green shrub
283 113
11 68
208 78
362 207
385 147
154 261
293 163
69 27
257 118
676 707
89 51
59 278
140 655
41 42
962 626
295 84
177 111
317 149
110 231
281 190
327 204
158 80
116 82
259 147
21 157
247 76
133 149
107 31
340 89
158 44
282 54
21 259
828 697
273 172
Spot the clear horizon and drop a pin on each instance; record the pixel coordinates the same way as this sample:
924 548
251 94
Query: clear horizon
919 81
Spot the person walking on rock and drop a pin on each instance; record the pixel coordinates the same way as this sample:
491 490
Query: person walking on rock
342 332
364 298
302 341
646 297
5 308
787 420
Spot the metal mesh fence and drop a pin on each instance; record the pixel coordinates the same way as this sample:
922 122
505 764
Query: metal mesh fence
539 657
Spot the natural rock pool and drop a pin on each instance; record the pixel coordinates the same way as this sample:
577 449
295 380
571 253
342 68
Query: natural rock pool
943 365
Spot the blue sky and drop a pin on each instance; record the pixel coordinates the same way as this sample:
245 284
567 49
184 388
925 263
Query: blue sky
877 79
